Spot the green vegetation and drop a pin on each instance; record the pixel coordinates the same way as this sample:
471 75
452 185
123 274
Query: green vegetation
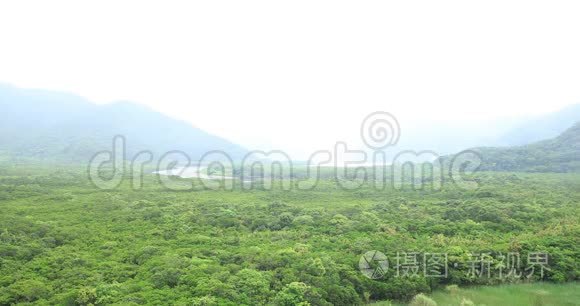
62 241
49 126
524 294
537 294
560 154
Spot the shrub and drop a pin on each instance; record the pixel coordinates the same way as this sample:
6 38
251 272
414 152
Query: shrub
453 289
422 300
466 302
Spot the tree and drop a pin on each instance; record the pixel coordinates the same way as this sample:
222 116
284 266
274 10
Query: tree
295 293
253 285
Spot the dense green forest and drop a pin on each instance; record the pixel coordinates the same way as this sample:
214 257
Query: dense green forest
62 241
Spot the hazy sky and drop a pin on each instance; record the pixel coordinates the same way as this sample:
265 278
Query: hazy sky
300 74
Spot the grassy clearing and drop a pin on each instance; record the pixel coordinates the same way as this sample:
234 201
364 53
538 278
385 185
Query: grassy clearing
537 294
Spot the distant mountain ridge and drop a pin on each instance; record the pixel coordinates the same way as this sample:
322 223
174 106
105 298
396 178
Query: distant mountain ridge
58 126
446 138
559 154
542 127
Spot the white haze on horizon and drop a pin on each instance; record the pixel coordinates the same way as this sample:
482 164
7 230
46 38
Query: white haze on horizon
300 75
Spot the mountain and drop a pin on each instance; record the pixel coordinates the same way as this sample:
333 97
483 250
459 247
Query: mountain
559 154
58 126
543 127
449 137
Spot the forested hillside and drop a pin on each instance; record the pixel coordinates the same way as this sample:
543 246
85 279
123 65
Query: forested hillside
47 125
546 126
560 154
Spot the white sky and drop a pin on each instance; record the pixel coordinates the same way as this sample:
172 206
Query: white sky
298 75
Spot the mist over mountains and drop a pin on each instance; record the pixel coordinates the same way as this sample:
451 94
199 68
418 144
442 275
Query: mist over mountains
50 125
47 125
559 154
541 127
449 137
